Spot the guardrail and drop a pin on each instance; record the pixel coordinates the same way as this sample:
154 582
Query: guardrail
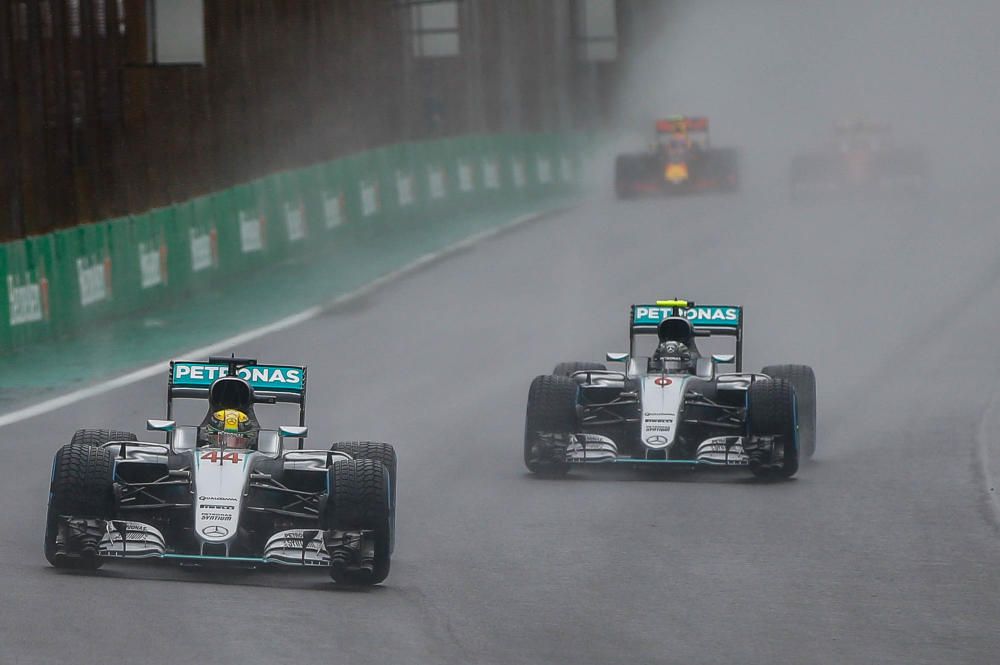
63 282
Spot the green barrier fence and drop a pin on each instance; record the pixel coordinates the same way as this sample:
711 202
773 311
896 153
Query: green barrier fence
71 280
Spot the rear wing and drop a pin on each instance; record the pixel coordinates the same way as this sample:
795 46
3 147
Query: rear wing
682 124
706 320
271 383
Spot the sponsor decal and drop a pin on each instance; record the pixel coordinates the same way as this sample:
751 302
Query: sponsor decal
216 498
369 198
566 169
205 506
152 264
466 183
404 188
265 377
333 210
204 249
251 232
435 183
517 173
709 315
491 174
93 276
295 221
662 381
214 456
544 167
215 517
28 299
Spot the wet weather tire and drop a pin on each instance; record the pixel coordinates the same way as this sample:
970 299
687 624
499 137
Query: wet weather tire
83 487
567 369
803 379
97 437
359 500
772 414
551 410
382 452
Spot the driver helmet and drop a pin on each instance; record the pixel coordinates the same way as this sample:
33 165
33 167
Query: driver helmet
230 428
674 356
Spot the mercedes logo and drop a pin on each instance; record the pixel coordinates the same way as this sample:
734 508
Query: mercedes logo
657 438
215 531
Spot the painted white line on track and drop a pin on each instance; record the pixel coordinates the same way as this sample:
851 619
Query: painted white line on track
162 366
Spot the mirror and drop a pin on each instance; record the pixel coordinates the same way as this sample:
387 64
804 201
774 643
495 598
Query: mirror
723 358
614 357
293 431
160 425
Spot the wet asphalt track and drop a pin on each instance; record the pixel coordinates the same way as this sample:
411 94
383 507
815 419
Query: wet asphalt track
885 550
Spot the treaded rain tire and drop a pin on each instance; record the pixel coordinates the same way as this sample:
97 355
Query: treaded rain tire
567 368
803 379
359 499
376 450
551 408
82 485
97 437
772 413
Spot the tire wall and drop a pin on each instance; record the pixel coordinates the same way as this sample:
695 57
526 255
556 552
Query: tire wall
55 283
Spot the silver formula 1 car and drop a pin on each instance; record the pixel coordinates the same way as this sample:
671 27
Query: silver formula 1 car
671 405
226 492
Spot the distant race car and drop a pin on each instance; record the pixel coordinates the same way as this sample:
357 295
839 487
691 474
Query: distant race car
862 160
671 406
681 161
225 492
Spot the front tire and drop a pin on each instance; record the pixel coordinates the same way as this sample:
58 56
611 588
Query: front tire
803 379
82 487
374 450
359 501
773 414
551 410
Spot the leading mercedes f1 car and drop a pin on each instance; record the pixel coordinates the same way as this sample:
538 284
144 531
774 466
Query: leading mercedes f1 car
681 161
671 406
226 492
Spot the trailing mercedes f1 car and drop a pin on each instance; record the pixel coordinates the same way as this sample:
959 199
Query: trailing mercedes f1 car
681 161
671 405
862 161
226 492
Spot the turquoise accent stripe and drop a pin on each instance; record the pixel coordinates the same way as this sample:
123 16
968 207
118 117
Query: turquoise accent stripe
199 557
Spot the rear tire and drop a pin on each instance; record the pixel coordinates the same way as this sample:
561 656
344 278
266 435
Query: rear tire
98 437
803 379
82 486
359 500
567 368
772 413
551 410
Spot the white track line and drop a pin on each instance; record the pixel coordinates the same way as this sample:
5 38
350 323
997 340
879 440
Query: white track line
162 366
